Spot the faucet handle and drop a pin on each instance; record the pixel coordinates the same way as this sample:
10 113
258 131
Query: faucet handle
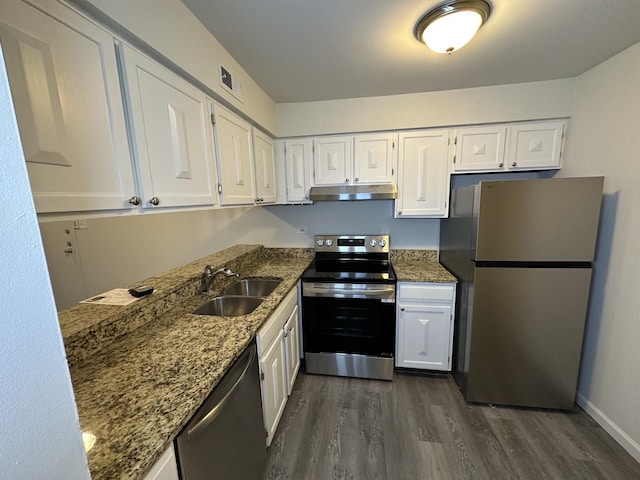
229 273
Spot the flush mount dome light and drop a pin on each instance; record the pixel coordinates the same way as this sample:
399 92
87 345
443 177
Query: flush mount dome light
451 25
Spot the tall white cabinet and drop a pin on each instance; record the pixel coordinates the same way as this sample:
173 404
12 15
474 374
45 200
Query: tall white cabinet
265 168
298 169
64 80
171 135
423 174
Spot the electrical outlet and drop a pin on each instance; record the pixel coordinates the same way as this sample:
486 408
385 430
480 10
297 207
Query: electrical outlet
80 224
302 229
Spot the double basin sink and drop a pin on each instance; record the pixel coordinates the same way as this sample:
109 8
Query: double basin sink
240 298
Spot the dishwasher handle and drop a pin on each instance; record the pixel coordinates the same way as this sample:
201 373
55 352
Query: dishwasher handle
217 409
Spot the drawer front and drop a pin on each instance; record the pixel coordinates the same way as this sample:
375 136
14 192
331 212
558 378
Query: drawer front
438 292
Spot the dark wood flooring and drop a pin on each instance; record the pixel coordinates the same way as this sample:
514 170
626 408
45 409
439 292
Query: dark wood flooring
420 427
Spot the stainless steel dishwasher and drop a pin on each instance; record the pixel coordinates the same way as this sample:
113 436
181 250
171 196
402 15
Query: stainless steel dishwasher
225 439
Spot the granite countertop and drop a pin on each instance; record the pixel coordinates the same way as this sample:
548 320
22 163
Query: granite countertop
419 266
141 371
136 390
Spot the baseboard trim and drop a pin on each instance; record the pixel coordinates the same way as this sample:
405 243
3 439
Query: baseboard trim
610 426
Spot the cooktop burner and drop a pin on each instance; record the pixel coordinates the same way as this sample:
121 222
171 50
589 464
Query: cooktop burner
351 258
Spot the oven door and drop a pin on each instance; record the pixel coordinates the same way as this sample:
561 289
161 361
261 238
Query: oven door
349 328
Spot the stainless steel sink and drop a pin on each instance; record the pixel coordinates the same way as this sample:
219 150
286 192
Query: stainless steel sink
252 287
229 306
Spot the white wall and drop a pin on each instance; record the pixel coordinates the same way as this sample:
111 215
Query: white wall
170 28
502 103
278 225
40 435
119 251
604 140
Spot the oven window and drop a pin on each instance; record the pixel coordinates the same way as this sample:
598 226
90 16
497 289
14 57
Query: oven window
348 325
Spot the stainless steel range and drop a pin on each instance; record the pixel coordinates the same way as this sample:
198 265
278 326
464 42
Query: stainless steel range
348 307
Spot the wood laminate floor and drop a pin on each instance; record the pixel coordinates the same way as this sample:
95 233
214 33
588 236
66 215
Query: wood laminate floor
420 427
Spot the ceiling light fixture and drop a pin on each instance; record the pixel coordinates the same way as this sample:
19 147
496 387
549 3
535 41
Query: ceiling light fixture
450 26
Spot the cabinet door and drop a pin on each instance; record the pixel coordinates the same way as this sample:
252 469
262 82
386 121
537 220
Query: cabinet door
373 158
298 166
424 336
479 148
235 159
64 79
332 160
171 134
274 384
265 168
535 146
165 468
423 174
292 342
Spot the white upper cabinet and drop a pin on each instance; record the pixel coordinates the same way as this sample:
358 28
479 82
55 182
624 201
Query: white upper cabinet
479 148
235 158
64 78
423 174
171 134
520 146
332 162
373 158
298 169
534 146
351 160
265 168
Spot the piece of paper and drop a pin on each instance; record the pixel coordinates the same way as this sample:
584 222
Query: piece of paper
117 296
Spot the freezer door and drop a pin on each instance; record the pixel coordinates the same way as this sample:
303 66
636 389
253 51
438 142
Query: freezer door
526 327
538 220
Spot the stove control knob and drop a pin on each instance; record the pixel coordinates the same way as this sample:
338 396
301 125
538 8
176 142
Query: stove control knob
382 242
373 242
320 242
329 242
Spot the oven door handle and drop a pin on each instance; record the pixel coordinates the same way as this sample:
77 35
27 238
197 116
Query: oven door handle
349 290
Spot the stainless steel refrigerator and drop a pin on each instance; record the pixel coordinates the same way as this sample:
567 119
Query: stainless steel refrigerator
522 251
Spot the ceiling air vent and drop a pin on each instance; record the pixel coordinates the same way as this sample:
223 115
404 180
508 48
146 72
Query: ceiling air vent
229 82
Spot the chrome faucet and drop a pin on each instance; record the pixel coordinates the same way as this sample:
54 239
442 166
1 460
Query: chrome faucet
207 278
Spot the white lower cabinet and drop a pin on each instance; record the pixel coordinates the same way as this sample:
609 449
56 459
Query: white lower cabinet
165 468
425 325
273 384
279 360
292 348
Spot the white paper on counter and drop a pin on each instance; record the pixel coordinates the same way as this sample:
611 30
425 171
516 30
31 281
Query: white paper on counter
117 296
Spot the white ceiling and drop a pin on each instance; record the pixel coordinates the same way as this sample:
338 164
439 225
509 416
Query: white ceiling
328 49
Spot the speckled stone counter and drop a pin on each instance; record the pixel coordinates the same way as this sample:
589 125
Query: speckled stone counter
140 372
419 266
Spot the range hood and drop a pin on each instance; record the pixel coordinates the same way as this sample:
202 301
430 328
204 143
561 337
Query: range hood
354 192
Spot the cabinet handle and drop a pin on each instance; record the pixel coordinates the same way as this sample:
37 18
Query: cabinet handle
402 309
154 201
501 164
346 180
68 250
514 164
400 212
135 200
356 179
